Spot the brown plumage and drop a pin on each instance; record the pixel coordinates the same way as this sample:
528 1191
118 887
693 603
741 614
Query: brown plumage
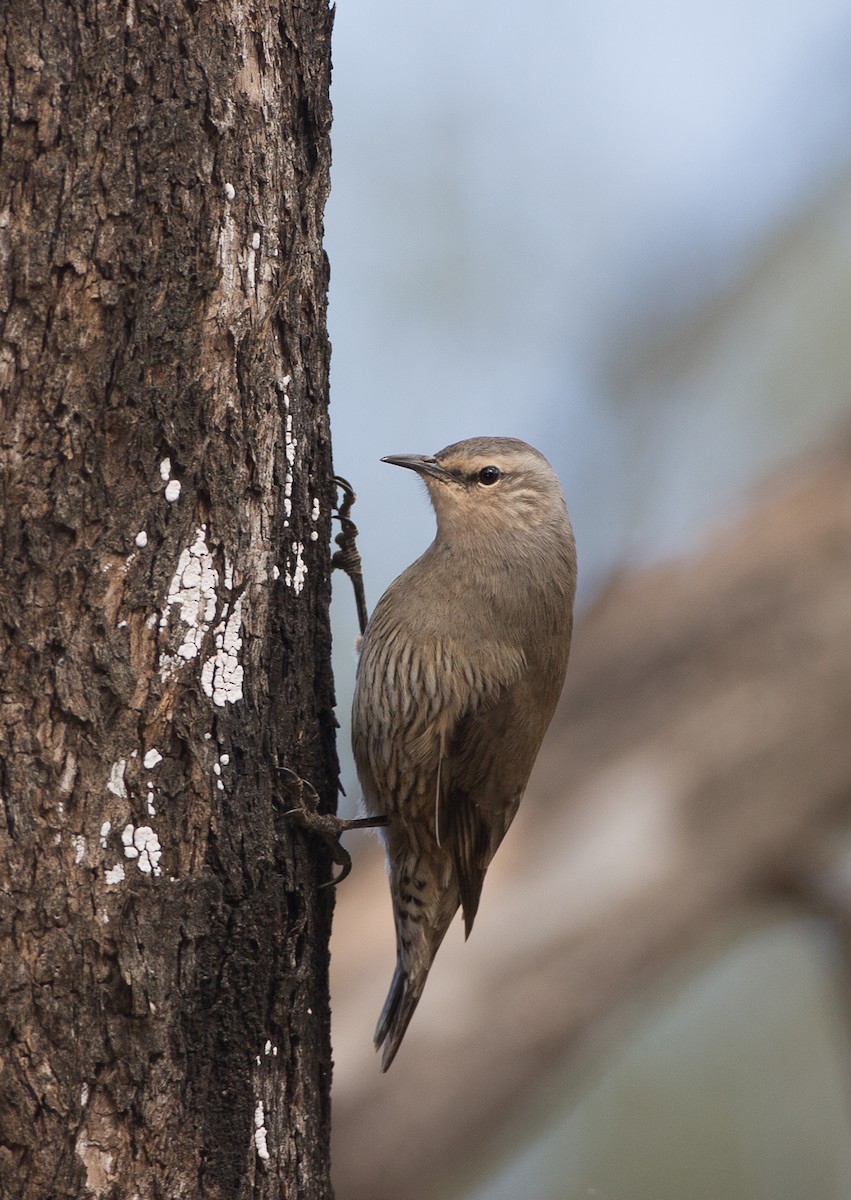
461 667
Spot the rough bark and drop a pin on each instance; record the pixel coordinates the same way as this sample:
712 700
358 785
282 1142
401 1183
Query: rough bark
701 760
165 582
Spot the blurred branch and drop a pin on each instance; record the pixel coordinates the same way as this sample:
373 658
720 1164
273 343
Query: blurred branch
701 756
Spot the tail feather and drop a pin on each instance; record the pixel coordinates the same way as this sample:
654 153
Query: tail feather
402 1000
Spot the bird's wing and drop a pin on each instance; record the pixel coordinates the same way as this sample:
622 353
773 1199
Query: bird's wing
447 724
480 780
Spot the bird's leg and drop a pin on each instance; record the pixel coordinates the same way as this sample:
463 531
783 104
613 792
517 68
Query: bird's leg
328 826
347 558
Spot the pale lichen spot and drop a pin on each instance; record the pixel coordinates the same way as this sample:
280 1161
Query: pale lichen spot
193 591
296 572
260 1132
222 674
142 844
172 490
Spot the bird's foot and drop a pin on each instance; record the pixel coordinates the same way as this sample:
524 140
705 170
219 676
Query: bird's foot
347 558
327 826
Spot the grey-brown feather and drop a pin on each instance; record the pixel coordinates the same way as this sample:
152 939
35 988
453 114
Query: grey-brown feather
461 668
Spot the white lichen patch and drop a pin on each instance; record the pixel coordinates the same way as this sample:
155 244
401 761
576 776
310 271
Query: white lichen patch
276 572
297 570
261 1133
114 874
141 539
115 783
230 191
172 490
142 844
222 673
84 1095
193 591
104 833
165 469
314 512
152 757
290 447
79 849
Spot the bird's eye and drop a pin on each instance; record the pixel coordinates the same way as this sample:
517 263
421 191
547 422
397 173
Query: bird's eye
489 475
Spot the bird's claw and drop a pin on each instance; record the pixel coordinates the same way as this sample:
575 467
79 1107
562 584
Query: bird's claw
348 558
328 826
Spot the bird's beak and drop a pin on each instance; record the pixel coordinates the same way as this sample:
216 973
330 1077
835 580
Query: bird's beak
423 464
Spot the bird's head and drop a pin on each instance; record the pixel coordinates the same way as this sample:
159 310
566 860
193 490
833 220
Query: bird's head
486 486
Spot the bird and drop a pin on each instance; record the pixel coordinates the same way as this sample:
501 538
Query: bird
460 669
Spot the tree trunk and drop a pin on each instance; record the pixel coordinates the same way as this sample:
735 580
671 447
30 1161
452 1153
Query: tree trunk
165 585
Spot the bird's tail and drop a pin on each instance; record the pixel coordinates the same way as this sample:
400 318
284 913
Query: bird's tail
402 999
425 901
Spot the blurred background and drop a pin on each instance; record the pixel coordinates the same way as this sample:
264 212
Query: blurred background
623 234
